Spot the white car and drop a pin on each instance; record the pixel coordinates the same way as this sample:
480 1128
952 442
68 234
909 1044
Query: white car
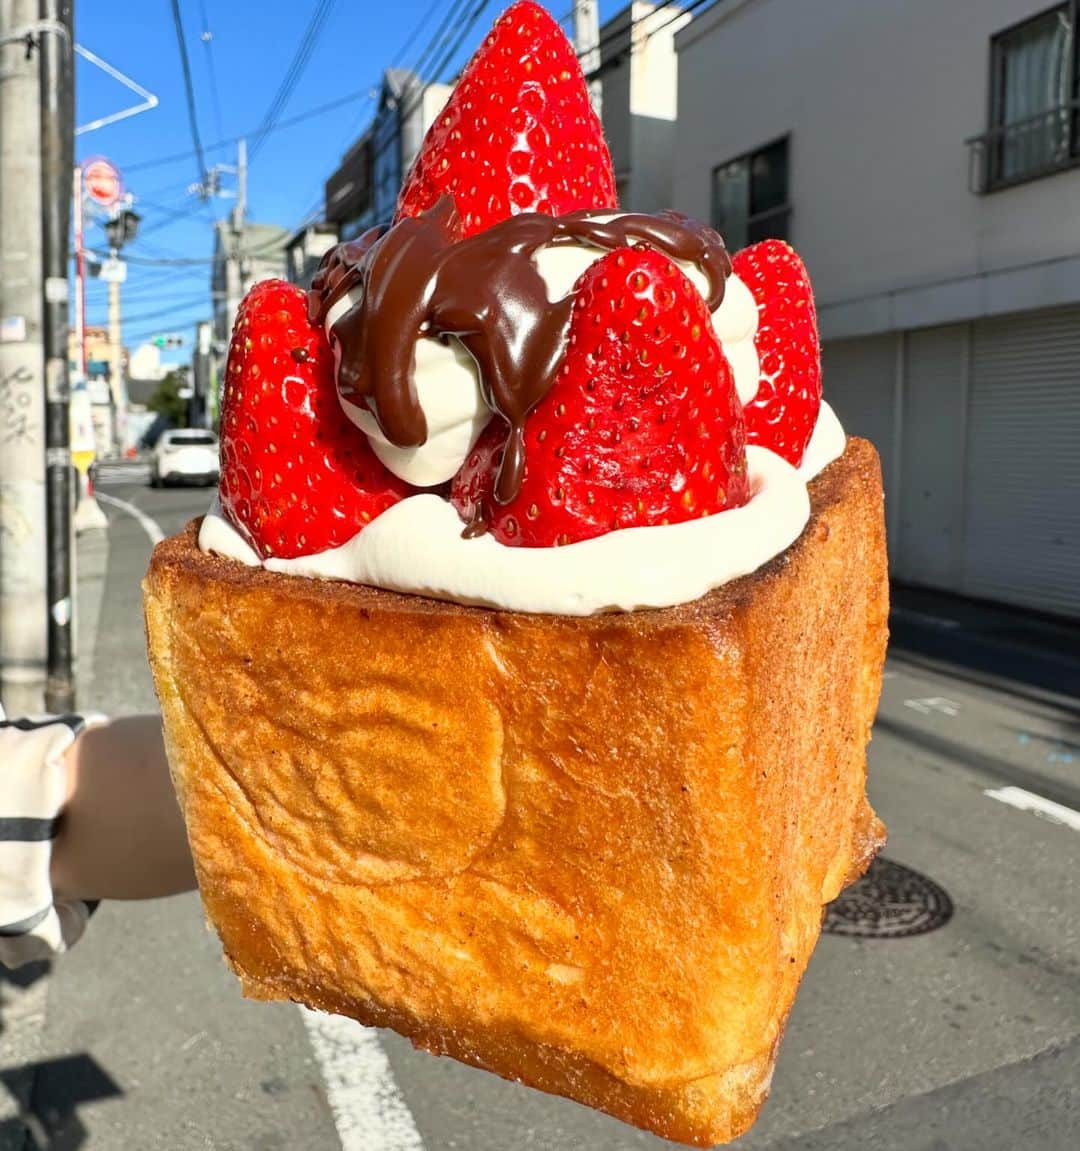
185 455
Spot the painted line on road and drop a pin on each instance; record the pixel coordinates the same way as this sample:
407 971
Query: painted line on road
1028 801
933 703
369 1110
145 522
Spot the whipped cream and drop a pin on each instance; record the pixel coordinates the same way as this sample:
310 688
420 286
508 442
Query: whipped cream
417 547
827 443
448 385
448 388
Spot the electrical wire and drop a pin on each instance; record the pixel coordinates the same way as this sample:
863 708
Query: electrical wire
207 38
175 306
417 29
292 75
339 101
189 90
626 34
439 37
232 141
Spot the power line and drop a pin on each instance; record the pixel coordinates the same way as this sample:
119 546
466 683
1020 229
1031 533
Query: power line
438 37
415 33
292 75
627 33
175 306
207 38
189 90
232 141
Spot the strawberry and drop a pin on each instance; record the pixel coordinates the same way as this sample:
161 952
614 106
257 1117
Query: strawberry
518 134
781 417
296 476
642 426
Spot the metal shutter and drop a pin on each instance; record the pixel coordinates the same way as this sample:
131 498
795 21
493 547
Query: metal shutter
927 547
859 381
1022 521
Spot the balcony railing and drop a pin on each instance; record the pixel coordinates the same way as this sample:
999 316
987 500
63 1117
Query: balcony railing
1025 149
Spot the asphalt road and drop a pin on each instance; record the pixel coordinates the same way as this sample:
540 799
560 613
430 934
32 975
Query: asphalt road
963 1036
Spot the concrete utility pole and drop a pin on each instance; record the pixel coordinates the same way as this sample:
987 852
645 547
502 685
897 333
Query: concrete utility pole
23 601
587 44
116 362
57 159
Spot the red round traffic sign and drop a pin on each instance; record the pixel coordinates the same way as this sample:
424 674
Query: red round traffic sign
102 182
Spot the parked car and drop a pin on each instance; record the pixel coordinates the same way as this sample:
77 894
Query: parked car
185 455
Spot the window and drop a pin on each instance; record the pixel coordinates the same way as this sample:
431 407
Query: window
750 196
1033 98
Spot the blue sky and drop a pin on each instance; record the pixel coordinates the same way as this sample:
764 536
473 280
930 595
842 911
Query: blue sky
252 45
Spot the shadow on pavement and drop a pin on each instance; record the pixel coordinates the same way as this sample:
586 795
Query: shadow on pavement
988 640
991 765
60 1087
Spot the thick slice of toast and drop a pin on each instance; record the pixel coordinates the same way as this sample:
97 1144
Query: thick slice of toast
590 854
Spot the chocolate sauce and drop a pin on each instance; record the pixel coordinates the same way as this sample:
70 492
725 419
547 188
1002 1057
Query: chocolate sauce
418 279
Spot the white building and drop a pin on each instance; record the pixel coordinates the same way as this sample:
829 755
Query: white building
639 81
924 158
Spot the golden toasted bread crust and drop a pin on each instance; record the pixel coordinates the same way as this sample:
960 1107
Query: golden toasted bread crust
590 854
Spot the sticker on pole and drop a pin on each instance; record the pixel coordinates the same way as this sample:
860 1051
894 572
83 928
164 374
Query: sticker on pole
102 182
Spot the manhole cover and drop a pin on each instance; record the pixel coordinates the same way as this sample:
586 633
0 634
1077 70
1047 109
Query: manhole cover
890 902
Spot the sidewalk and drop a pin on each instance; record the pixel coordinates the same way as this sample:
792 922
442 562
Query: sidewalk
1001 644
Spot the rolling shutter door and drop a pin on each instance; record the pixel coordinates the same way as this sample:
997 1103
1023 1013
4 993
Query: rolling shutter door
926 549
1022 519
859 382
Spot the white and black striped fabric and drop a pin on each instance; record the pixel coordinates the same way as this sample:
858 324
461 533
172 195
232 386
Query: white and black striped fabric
33 786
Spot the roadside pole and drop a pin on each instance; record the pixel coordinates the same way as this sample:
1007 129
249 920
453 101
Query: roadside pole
116 365
80 268
23 600
57 161
587 45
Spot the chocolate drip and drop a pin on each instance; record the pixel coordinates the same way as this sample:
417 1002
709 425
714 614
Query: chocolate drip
418 279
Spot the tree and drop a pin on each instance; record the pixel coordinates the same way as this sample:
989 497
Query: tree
170 398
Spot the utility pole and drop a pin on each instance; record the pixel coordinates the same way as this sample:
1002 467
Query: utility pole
57 160
116 358
23 601
240 207
587 45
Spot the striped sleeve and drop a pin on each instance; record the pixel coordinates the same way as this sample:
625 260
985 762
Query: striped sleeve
33 784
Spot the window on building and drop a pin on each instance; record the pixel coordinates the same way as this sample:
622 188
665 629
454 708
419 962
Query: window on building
1033 98
750 196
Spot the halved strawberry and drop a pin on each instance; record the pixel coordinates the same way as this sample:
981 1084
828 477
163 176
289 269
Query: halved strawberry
518 134
642 427
782 415
296 476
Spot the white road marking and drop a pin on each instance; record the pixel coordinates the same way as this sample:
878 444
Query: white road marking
933 703
369 1111
145 522
1037 805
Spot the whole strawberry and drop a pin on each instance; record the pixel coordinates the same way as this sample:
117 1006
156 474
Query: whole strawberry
782 415
518 134
642 427
296 477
